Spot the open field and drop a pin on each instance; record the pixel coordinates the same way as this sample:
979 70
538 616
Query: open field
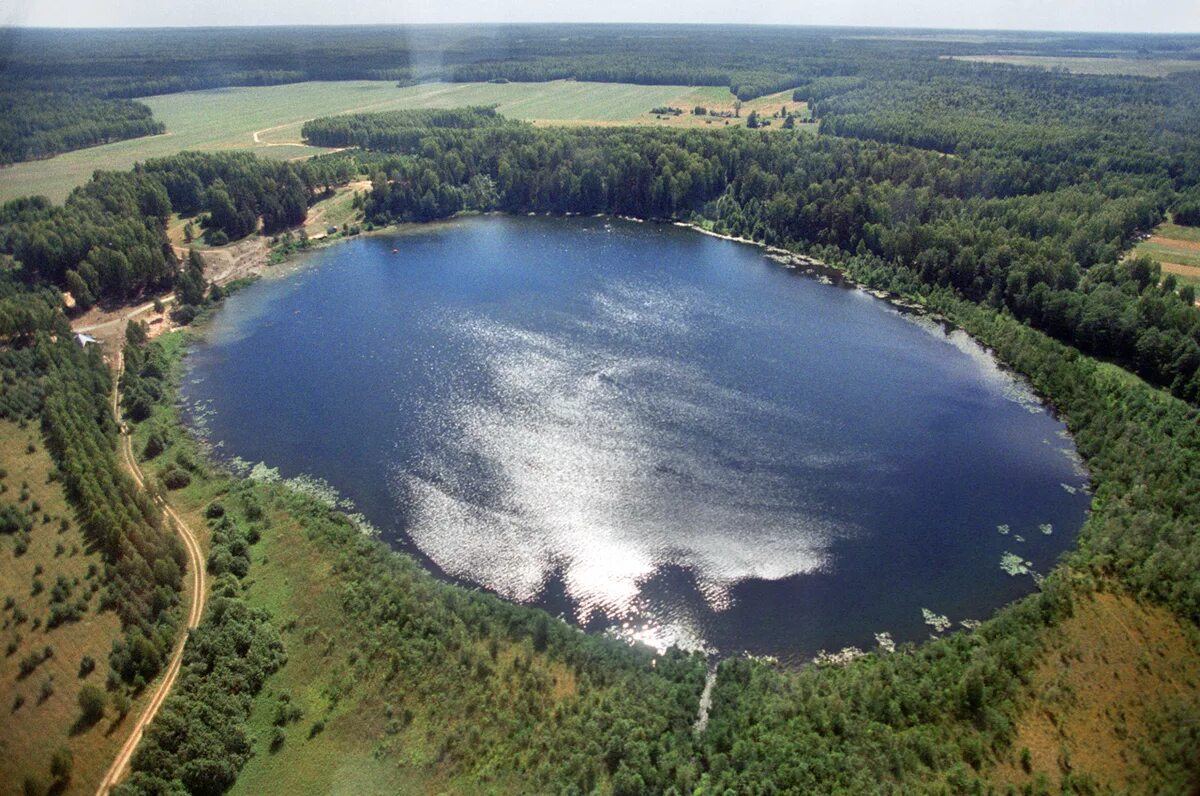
1177 249
1079 65
33 726
719 99
1112 675
267 119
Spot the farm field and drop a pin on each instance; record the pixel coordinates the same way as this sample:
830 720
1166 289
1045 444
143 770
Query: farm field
1079 65
1177 249
267 119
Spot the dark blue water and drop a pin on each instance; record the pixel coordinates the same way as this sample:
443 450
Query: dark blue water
644 428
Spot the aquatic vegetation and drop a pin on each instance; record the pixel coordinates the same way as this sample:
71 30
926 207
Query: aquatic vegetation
841 658
938 622
1013 564
1046 528
1070 490
1003 529
261 472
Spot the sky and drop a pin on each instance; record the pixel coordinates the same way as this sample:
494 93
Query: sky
1159 16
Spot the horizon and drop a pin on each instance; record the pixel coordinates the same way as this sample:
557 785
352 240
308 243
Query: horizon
1108 17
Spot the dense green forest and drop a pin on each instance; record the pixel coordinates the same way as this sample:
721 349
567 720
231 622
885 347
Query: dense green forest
40 124
108 240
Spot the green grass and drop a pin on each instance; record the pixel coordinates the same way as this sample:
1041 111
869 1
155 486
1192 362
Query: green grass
1079 65
223 119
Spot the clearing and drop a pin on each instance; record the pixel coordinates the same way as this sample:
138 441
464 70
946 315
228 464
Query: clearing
267 119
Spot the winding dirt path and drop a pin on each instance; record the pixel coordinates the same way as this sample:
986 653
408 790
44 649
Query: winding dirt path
199 590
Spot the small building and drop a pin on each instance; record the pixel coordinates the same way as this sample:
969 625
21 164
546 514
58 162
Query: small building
84 339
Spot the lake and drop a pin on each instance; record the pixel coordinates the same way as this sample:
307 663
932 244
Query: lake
647 431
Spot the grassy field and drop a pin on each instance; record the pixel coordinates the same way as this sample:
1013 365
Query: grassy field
1110 678
267 120
40 708
1080 65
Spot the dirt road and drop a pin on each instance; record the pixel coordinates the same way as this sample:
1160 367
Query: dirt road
199 589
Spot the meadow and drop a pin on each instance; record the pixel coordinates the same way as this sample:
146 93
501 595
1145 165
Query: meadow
267 119
50 566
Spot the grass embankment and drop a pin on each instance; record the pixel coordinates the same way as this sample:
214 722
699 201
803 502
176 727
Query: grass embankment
56 568
395 682
267 119
1112 676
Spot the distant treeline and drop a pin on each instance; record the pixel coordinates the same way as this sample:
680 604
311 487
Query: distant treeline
1044 247
66 72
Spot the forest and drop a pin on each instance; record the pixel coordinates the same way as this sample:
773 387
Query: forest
37 125
50 379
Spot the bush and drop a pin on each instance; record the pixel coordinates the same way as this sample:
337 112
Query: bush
215 510
156 443
92 701
60 764
87 665
174 478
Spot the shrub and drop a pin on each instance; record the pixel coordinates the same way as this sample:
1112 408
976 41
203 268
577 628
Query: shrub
92 701
174 478
60 764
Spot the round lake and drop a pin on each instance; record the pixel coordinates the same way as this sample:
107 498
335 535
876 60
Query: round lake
649 430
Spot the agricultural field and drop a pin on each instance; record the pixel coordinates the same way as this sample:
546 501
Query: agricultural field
267 119
45 567
1177 249
1080 65
717 98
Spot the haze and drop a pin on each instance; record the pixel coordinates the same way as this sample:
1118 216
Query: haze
1166 16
